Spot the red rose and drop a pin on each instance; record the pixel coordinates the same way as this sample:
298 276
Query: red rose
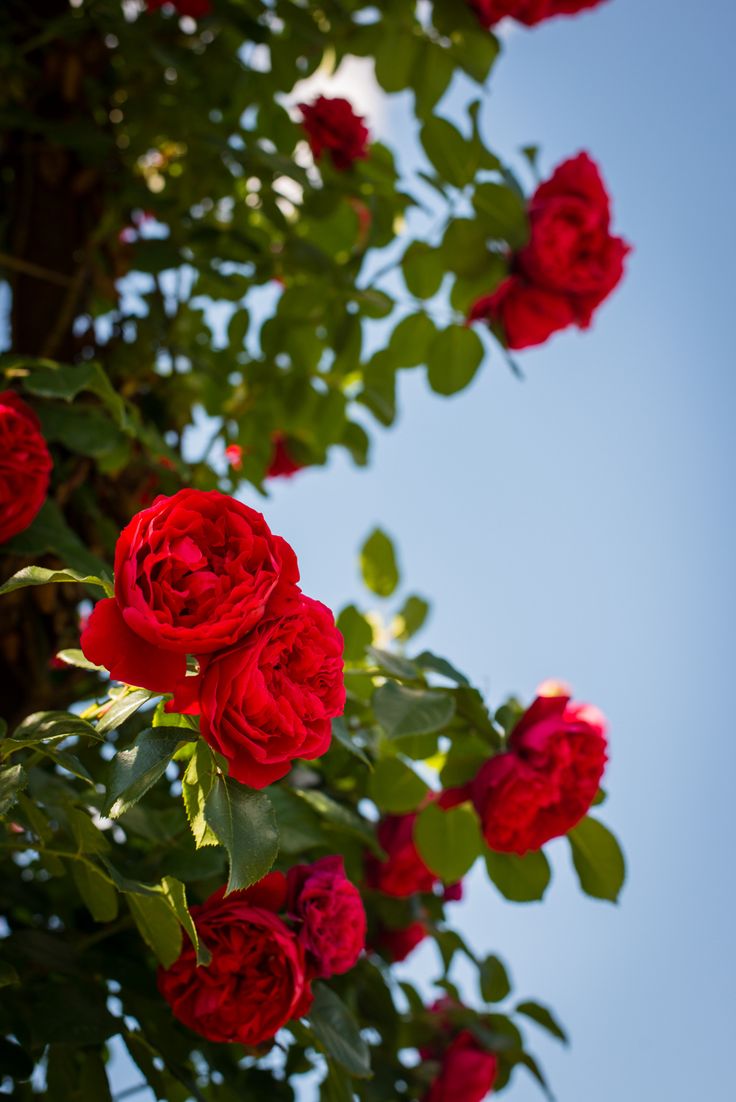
195 9
193 574
403 872
256 981
547 779
234 456
396 945
283 464
333 127
528 12
571 263
467 1073
272 699
25 465
329 908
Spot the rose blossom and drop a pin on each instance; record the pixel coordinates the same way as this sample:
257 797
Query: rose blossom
403 872
528 12
25 465
331 915
193 574
283 464
570 264
547 779
467 1070
332 127
271 699
396 945
256 981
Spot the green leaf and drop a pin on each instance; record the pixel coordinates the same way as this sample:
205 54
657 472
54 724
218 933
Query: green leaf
394 664
378 564
158 926
435 664
98 894
544 1018
411 338
49 533
196 786
341 734
396 788
245 825
502 213
75 657
494 980
454 357
411 618
448 841
520 879
423 270
135 769
122 708
455 158
464 247
598 860
402 711
337 1031
356 632
39 575
52 727
12 781
65 381
175 894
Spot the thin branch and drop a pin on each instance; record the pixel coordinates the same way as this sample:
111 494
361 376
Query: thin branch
28 268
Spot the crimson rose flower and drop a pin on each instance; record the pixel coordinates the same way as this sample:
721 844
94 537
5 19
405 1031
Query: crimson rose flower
396 945
467 1073
195 9
193 574
528 12
570 264
333 127
256 981
25 465
403 872
271 699
547 779
331 914
283 464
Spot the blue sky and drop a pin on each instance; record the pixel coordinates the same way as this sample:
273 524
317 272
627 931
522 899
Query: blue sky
580 525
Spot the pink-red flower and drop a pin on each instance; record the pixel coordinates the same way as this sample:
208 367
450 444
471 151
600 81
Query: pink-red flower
194 574
396 944
570 264
402 872
330 915
332 127
272 699
25 465
546 781
467 1070
528 12
283 464
257 979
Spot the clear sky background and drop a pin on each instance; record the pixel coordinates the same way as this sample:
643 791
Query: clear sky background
580 525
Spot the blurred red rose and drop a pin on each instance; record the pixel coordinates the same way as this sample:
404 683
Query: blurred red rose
546 781
467 1073
193 574
403 872
396 945
25 465
570 264
331 915
332 127
272 699
195 9
528 12
234 456
256 981
283 464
